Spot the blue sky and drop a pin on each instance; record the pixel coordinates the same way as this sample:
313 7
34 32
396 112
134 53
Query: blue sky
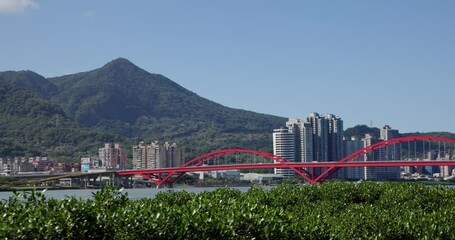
379 62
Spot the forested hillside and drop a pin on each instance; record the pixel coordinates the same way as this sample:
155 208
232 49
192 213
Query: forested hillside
32 126
123 102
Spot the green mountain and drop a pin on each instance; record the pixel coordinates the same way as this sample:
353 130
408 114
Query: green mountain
32 126
359 131
124 99
73 114
29 80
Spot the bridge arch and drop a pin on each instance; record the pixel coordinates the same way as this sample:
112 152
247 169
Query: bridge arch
368 149
162 176
199 160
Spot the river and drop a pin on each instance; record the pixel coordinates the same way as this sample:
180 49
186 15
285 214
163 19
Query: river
136 193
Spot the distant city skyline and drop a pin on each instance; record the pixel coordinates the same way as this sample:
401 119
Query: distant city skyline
374 63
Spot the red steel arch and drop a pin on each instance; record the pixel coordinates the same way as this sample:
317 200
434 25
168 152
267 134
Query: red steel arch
326 173
211 155
364 151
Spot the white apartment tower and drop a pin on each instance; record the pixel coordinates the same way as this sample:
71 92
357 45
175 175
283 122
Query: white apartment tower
284 146
303 137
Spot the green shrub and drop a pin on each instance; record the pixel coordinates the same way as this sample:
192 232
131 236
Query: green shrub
330 211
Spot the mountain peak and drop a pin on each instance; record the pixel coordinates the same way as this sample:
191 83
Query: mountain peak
120 66
29 80
120 62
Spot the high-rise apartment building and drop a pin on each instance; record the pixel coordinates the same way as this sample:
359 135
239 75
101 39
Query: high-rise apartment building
293 126
389 153
113 156
327 137
306 143
315 138
388 133
352 145
320 137
140 156
284 146
157 155
334 138
303 139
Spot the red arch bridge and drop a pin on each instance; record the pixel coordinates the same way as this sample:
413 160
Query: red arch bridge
313 172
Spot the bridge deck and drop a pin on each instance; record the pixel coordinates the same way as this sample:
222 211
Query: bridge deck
291 165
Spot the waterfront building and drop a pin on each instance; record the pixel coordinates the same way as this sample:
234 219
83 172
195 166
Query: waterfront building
293 127
327 139
14 165
335 142
113 156
86 163
334 138
234 174
284 146
157 155
306 145
140 156
350 146
315 138
409 170
42 164
389 153
260 177
446 171
303 139
319 137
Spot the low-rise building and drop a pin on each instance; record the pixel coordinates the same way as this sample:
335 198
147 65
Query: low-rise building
235 174
15 165
260 177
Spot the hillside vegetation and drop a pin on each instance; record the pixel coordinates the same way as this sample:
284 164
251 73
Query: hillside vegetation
32 126
120 101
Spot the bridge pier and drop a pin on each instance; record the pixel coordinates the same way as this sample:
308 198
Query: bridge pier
125 181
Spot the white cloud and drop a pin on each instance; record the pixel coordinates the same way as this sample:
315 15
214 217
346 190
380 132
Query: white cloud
16 6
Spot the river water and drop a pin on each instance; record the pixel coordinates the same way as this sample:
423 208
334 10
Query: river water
136 193
133 194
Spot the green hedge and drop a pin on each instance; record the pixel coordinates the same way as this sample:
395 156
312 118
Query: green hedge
329 211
